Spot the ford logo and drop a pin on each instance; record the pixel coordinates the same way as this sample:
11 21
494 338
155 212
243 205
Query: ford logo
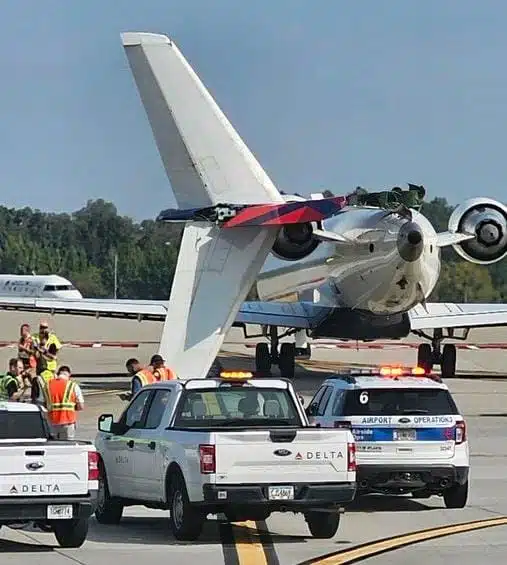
282 452
34 466
404 420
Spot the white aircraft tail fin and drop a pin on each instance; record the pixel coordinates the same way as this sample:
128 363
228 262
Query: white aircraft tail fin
215 271
205 159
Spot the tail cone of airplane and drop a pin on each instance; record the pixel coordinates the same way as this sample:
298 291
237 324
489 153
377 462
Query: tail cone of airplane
410 242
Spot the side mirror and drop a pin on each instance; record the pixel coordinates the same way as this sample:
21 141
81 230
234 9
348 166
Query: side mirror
301 400
105 423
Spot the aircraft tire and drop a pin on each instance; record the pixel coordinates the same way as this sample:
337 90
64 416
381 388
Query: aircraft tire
425 357
287 361
262 360
448 364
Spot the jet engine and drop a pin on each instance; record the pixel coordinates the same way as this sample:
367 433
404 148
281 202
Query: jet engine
486 219
295 241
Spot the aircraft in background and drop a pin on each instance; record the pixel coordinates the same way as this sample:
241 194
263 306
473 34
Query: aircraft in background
39 286
361 265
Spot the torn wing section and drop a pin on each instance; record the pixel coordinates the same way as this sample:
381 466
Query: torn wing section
241 215
436 315
215 271
206 160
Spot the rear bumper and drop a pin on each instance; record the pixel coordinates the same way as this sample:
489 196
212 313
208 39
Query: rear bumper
409 477
35 508
305 496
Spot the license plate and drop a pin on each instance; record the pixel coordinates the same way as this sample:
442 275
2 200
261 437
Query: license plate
59 511
281 493
404 435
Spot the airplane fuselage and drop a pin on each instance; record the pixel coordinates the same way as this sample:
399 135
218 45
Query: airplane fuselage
383 267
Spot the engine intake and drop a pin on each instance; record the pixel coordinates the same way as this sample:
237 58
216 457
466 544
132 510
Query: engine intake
295 242
486 219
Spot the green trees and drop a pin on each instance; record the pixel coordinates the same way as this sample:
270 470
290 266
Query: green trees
84 246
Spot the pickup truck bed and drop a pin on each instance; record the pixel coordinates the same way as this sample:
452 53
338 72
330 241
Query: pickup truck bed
51 484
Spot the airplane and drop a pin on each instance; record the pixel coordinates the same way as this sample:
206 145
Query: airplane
40 286
361 265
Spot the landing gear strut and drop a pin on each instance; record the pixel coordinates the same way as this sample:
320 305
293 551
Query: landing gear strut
432 354
283 355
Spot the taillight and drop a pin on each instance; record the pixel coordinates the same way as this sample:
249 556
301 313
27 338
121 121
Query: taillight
351 457
343 424
207 457
93 466
461 431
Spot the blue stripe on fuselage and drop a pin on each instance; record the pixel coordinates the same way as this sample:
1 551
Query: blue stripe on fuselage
386 434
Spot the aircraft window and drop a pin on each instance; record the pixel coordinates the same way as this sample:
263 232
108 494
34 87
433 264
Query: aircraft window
53 287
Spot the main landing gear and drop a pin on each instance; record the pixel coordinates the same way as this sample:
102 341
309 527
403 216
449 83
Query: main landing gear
284 355
432 354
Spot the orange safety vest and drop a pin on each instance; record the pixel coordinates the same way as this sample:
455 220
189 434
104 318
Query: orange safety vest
61 395
146 377
164 374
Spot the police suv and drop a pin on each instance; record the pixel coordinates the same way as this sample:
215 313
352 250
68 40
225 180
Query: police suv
410 436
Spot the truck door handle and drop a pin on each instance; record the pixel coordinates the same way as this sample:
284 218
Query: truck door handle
130 443
152 445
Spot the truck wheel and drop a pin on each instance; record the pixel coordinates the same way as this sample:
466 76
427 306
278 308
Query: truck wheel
456 496
322 525
186 523
71 533
108 511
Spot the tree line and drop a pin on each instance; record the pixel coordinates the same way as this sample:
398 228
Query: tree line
85 246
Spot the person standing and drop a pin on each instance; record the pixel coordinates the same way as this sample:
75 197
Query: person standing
13 385
65 399
140 377
47 345
160 371
25 347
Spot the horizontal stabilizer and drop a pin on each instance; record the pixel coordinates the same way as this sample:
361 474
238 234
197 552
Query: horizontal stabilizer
242 215
452 238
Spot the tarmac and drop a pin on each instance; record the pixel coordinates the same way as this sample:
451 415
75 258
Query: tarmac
478 532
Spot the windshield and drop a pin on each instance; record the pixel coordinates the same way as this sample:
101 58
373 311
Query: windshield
394 402
22 425
236 407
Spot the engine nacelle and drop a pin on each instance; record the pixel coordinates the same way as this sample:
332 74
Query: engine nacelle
295 242
487 220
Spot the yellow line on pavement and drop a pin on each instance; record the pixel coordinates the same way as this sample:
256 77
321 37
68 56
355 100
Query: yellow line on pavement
248 545
97 392
390 544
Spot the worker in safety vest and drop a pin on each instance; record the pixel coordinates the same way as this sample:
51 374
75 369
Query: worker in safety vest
13 384
140 377
46 345
40 387
65 399
161 372
26 350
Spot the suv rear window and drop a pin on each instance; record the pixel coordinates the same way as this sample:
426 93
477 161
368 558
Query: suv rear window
395 402
22 425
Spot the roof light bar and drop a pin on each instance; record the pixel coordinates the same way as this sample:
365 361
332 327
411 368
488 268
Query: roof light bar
236 375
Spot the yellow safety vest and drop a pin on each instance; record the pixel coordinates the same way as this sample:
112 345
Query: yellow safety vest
47 375
43 389
5 381
51 364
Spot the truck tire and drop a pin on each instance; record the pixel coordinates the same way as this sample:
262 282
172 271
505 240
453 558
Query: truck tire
108 511
322 525
186 523
71 533
456 496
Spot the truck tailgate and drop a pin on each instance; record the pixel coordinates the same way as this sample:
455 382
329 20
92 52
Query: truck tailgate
259 456
43 469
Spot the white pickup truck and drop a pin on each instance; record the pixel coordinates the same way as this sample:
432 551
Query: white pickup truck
237 446
51 484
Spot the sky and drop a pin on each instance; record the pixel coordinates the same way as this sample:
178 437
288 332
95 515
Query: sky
327 95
